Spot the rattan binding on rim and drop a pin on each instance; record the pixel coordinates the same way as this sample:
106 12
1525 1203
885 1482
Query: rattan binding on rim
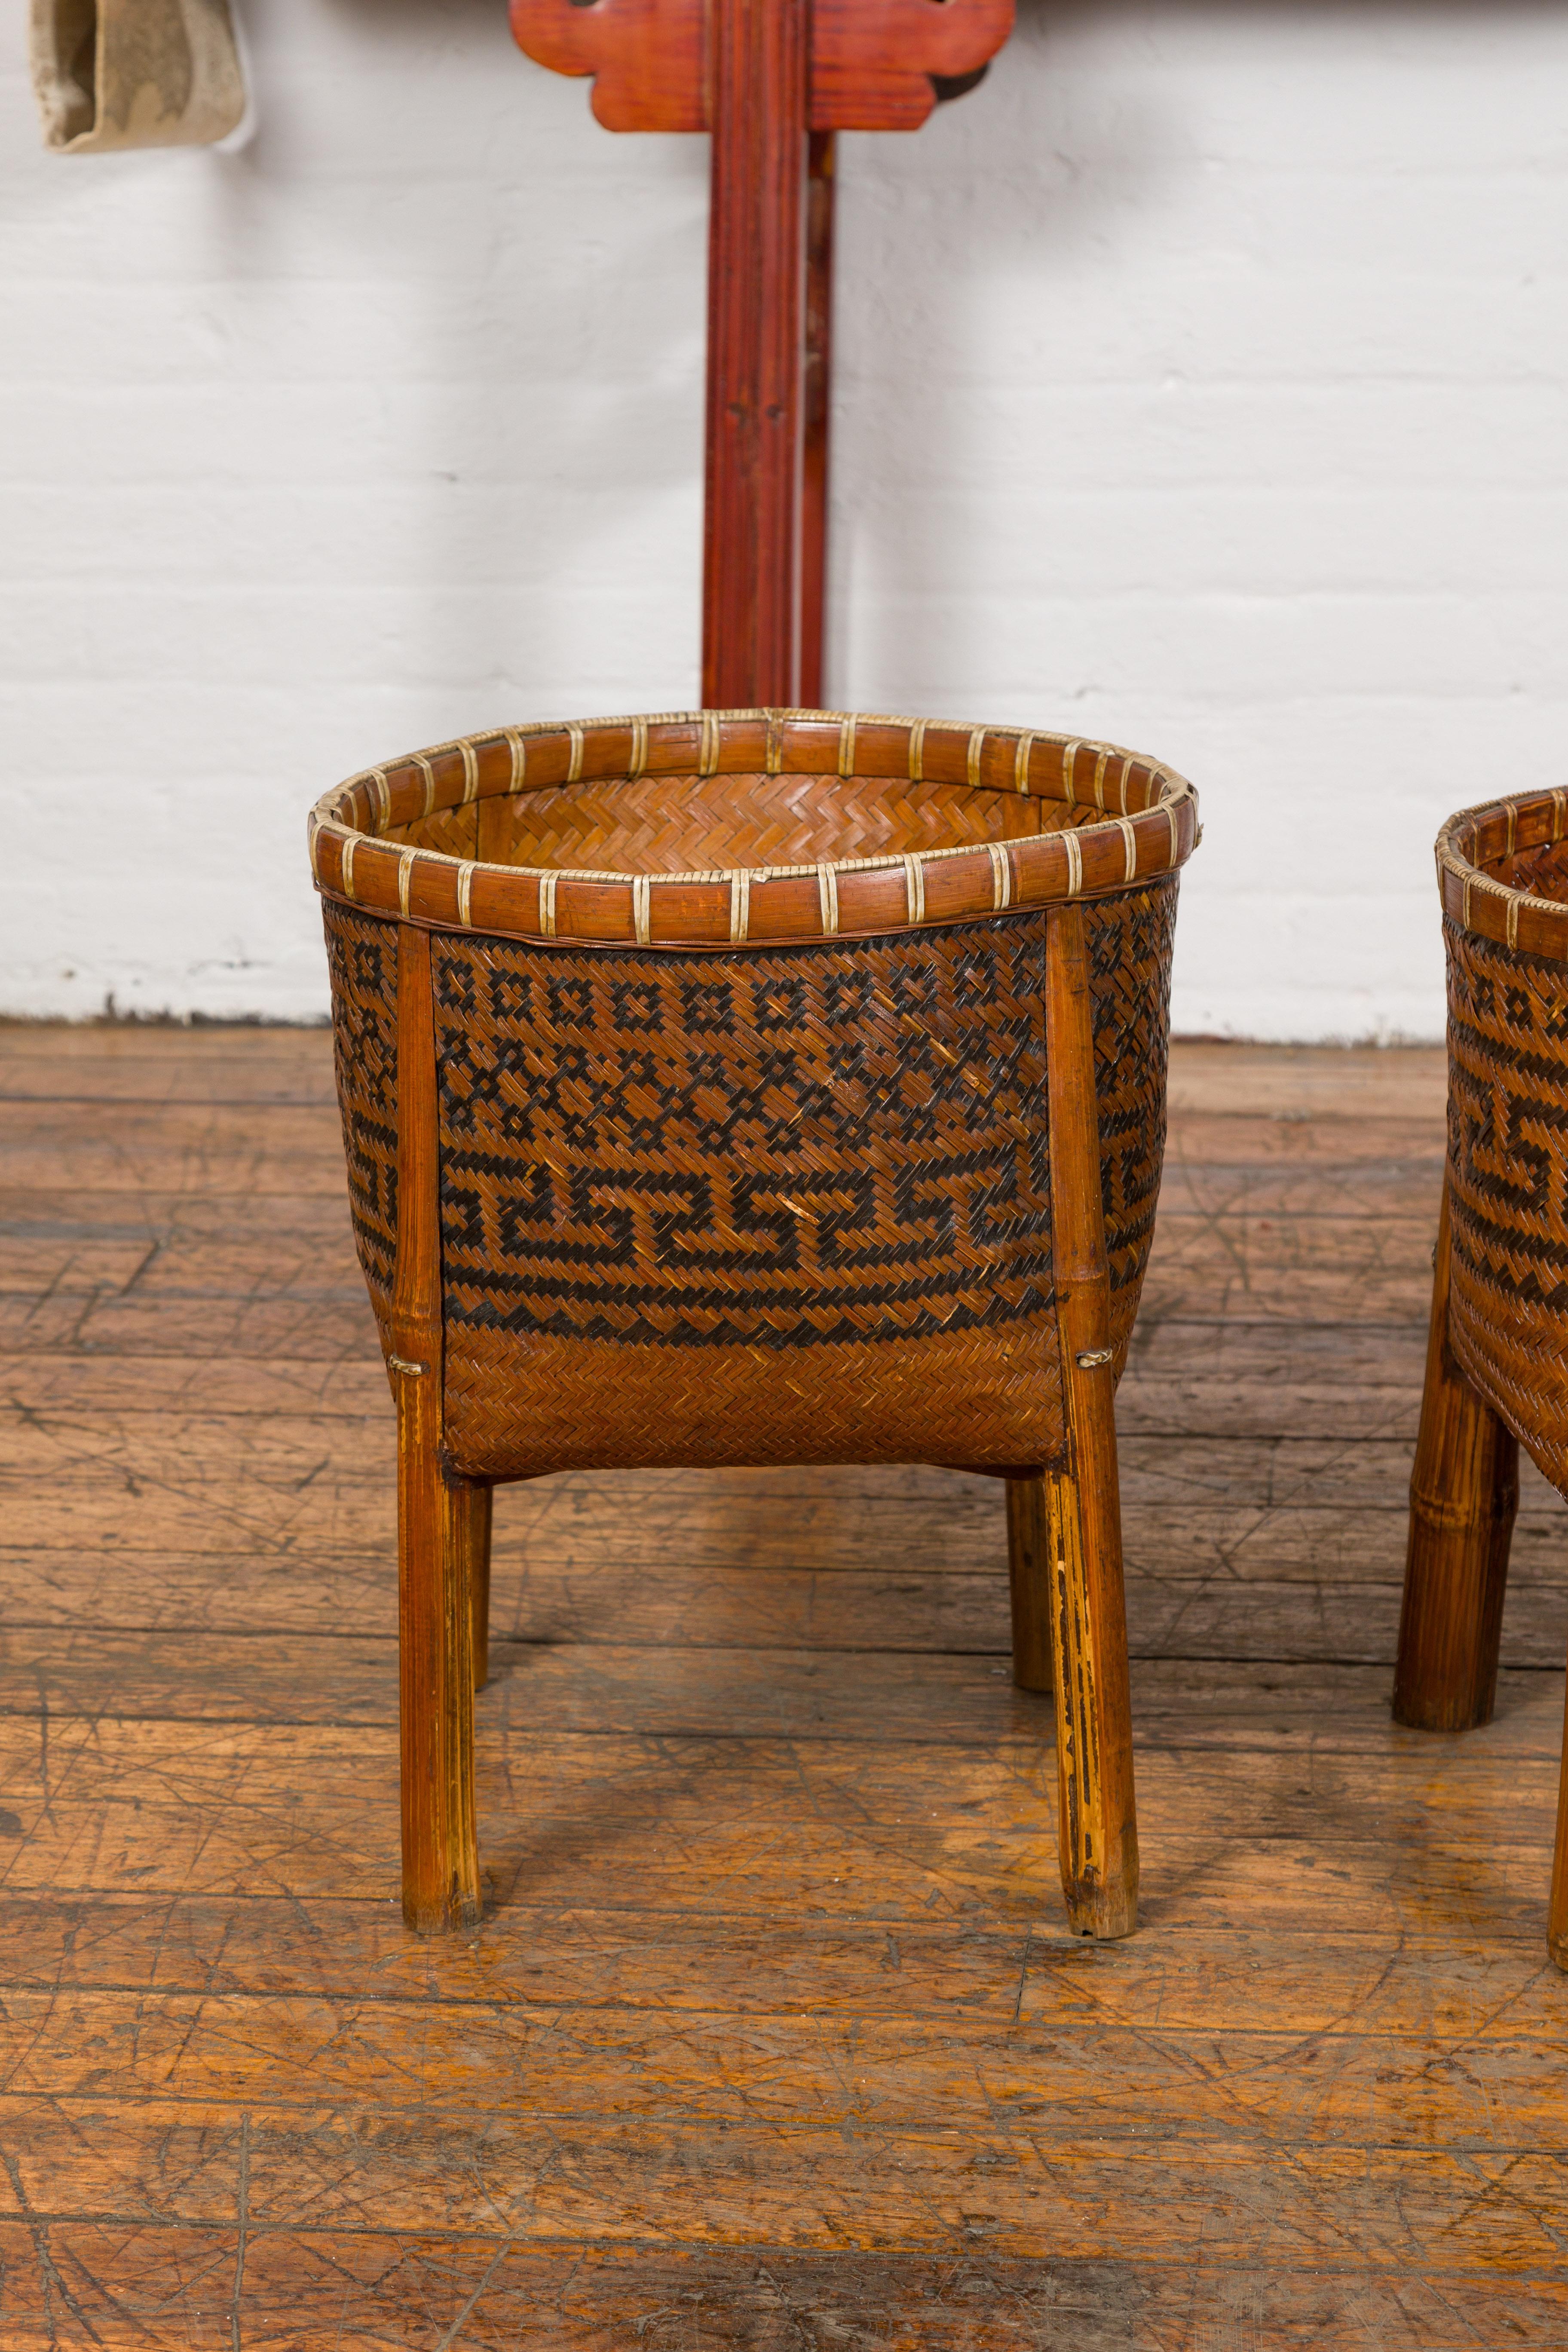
1501 868
1111 818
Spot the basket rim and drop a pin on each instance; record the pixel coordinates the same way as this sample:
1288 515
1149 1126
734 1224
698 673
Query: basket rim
1478 901
1148 828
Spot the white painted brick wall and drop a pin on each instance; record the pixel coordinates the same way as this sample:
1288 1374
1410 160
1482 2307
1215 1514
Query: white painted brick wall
1201 384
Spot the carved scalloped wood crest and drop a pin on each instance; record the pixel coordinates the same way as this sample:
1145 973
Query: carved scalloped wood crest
649 58
871 60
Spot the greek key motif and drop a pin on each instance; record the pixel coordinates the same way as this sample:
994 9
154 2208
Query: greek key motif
803 1145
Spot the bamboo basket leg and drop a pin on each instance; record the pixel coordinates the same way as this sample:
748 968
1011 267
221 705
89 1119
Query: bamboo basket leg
1030 1574
1099 1831
1464 1492
478 1537
1557 1922
436 1511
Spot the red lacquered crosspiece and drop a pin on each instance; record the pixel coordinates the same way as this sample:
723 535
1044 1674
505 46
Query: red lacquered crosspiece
871 66
759 75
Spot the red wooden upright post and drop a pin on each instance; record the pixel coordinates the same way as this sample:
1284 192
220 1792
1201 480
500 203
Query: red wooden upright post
817 417
756 266
758 75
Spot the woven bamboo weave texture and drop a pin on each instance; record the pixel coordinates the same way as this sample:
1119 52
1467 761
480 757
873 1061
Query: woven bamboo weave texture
715 823
1507 1171
1502 875
788 1205
362 965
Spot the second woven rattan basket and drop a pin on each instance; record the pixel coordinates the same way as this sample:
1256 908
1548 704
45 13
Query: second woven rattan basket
1497 1362
758 1088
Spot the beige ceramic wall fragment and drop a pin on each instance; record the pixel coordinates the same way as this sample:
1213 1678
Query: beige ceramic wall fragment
135 73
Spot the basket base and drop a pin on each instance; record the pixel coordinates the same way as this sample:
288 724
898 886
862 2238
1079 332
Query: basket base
521 1405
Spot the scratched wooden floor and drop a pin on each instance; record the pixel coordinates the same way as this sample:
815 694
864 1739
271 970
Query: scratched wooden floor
773 2037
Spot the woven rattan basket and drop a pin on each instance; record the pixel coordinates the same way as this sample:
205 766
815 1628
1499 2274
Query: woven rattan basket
719 1052
1503 873
1496 1367
741 1053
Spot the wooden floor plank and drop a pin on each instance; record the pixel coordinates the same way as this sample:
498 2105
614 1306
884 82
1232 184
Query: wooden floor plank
373 2292
1456 1983
827 1830
667 1692
849 1601
1016 2187
1080 2077
195 1047
199 1482
1301 1084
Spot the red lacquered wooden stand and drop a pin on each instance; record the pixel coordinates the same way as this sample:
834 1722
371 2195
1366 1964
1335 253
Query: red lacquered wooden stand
771 80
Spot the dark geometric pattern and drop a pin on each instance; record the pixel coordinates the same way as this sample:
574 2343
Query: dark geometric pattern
814 1144
361 961
1508 1183
1131 941
807 1145
1508 1116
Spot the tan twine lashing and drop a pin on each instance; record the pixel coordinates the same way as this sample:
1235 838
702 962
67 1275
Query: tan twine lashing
1457 848
1128 832
846 747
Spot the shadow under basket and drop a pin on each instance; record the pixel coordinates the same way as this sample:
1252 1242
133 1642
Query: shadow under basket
760 1088
1497 1363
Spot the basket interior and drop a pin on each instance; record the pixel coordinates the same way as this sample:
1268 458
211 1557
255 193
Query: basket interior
690 823
1542 870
